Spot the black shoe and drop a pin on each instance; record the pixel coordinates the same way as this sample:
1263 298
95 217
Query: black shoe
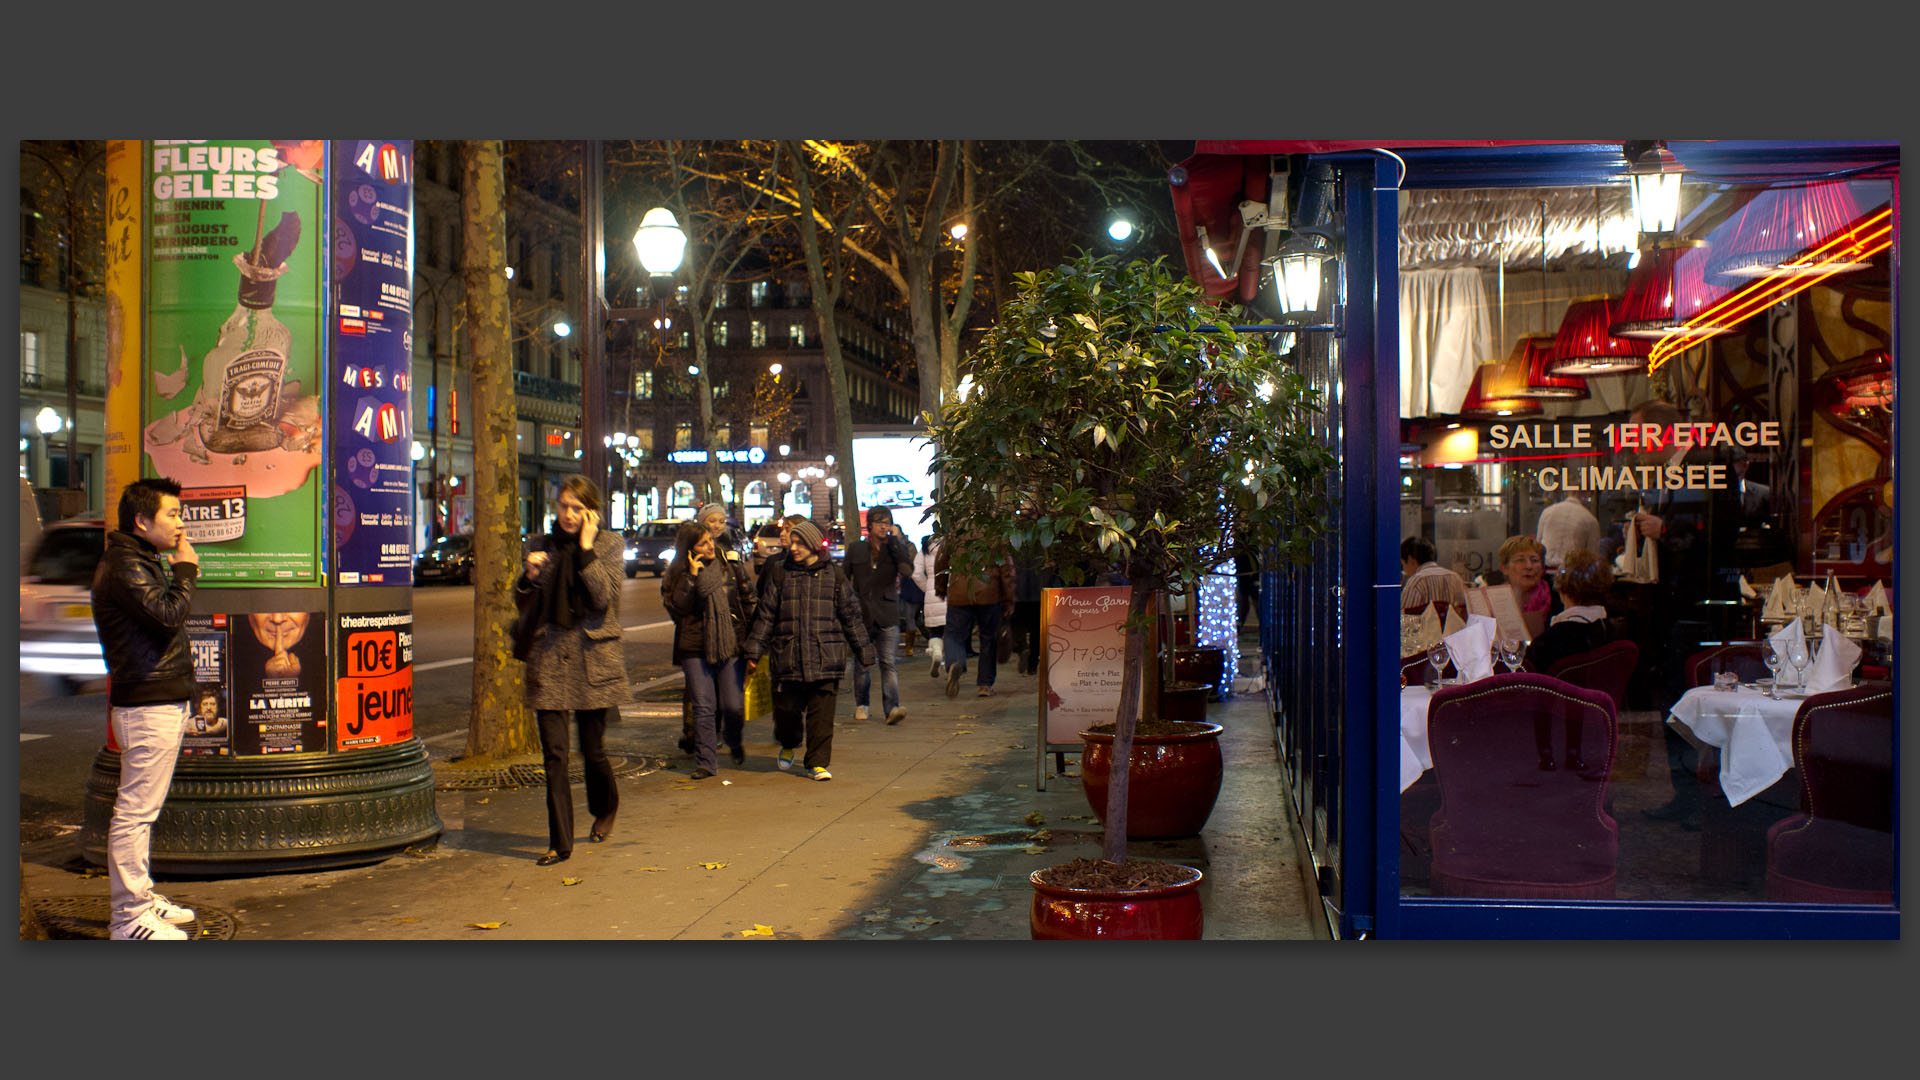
738 753
552 857
1546 762
702 773
602 828
686 744
1576 763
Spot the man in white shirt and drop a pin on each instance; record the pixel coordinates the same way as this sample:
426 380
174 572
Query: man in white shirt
1567 526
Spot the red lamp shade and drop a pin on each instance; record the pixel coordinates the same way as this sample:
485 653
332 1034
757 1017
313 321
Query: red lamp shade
1650 309
1584 345
1542 383
1693 293
1778 231
1496 389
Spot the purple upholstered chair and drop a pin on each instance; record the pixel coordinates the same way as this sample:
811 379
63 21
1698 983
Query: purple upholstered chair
1605 669
1839 848
1510 824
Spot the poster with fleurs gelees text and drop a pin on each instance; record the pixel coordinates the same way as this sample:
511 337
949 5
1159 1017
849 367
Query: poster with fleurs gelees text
231 407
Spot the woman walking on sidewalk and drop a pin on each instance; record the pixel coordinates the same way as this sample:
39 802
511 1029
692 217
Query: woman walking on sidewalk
569 635
711 603
933 609
807 617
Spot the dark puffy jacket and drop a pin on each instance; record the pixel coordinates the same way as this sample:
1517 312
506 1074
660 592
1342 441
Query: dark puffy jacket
140 608
807 617
876 576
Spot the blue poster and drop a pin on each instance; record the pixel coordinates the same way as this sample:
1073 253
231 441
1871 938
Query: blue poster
371 328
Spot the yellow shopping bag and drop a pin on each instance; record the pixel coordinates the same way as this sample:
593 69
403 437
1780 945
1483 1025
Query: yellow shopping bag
760 692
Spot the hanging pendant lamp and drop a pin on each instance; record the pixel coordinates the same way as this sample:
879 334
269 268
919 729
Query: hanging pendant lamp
1542 382
1790 232
1585 346
1498 389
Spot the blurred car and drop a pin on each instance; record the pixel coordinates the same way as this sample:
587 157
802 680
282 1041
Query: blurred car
650 546
57 635
889 489
835 541
449 558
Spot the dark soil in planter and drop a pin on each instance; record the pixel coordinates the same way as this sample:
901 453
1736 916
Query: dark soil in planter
1102 875
1153 727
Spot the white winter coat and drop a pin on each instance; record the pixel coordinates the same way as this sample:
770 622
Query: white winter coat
933 609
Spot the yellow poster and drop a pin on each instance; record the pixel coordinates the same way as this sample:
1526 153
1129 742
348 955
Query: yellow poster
124 324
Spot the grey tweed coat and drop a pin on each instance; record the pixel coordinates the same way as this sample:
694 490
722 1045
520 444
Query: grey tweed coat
582 667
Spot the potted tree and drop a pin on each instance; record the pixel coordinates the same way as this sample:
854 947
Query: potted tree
1117 421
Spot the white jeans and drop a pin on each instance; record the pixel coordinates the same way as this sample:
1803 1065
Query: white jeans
149 738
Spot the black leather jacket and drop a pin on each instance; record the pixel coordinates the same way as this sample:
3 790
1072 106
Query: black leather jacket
140 609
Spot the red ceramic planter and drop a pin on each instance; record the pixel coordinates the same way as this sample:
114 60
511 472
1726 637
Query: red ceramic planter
1164 913
1171 787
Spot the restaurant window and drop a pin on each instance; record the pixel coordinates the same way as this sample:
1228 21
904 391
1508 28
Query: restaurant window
1647 458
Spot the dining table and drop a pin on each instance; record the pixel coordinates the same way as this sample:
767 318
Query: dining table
1752 730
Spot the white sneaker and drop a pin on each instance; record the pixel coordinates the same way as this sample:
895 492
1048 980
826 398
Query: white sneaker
170 911
859 712
147 927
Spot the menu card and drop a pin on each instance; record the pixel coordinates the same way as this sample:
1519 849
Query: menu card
1497 602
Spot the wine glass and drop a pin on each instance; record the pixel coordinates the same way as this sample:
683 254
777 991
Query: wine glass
1437 656
1513 651
1798 655
1770 654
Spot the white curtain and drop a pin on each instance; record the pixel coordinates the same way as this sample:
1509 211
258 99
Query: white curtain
1445 333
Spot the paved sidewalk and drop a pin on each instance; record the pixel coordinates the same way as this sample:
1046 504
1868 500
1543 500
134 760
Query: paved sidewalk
756 852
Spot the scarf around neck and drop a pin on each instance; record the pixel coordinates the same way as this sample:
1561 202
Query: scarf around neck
718 641
562 599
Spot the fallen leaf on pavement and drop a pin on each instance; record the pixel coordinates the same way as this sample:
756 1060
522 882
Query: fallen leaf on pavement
1035 818
486 925
973 755
758 931
569 881
1040 836
1019 785
483 802
654 869
1016 746
726 783
714 865
1034 849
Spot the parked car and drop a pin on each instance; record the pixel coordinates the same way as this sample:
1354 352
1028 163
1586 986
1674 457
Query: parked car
449 558
650 546
57 635
889 489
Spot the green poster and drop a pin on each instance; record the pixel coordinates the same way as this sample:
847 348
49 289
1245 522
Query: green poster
236 248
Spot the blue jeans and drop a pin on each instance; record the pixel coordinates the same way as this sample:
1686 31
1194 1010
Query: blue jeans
711 688
886 642
961 619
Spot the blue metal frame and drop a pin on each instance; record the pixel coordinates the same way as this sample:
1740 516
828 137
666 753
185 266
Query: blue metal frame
1369 570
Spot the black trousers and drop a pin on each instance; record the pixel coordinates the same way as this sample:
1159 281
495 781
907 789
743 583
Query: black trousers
1026 634
806 707
603 797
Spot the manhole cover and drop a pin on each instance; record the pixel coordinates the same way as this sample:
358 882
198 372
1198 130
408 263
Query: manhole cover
453 778
84 918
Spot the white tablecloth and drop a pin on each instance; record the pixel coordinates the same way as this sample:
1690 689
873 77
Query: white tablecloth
1414 756
1753 733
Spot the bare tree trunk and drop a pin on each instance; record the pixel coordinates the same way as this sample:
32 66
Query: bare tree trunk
1113 845
825 299
500 726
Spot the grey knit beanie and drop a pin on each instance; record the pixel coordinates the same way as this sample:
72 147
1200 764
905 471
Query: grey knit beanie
710 508
807 531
